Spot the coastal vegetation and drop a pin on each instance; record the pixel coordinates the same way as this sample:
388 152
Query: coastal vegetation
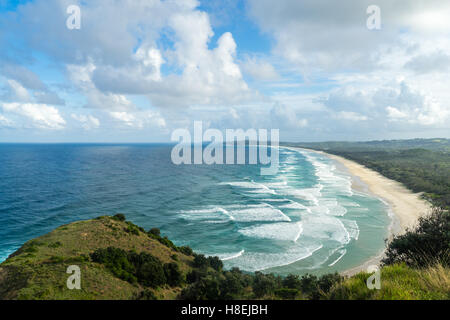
119 260
422 165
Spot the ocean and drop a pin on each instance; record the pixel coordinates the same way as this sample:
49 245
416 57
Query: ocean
304 219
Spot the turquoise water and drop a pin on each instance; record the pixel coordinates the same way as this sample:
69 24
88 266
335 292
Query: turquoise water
306 218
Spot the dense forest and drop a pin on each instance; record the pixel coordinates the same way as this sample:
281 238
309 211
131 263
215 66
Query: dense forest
423 165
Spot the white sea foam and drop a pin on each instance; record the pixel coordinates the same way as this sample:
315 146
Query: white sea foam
278 231
252 186
352 227
309 194
342 253
295 205
320 208
209 212
275 200
264 212
325 228
257 261
229 256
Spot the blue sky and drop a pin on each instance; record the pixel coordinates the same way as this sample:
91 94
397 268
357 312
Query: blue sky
137 70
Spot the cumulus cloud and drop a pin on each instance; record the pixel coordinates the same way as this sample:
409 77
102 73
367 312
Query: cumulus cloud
16 92
334 34
140 119
81 76
41 115
24 76
88 122
260 70
283 116
398 102
5 122
197 72
352 116
159 64
426 63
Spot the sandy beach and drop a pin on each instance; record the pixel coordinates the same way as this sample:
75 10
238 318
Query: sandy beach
406 206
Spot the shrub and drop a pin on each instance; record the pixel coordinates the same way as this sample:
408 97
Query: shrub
132 228
309 285
200 261
186 250
56 244
132 267
286 293
215 263
263 284
205 289
151 274
291 282
425 245
155 231
194 276
115 260
146 295
119 217
149 269
173 274
232 286
327 281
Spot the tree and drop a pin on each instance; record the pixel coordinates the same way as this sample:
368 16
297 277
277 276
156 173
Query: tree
173 274
200 261
263 284
151 274
428 243
291 281
119 217
155 231
215 263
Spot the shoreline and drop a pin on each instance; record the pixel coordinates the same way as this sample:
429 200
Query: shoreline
405 207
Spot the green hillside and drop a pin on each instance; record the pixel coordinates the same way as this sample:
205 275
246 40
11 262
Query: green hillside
119 260
38 269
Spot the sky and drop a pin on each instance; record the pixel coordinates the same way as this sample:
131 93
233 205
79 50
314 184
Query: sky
136 70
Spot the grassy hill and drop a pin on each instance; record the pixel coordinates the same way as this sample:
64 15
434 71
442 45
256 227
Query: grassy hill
38 269
119 260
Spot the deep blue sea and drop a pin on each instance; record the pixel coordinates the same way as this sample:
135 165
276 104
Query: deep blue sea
306 218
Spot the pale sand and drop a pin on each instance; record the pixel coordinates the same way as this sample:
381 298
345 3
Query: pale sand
407 207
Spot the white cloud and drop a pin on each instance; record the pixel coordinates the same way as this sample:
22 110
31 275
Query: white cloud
425 63
23 75
81 75
286 117
5 122
41 115
394 114
151 60
317 35
351 116
17 92
260 70
88 122
139 119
